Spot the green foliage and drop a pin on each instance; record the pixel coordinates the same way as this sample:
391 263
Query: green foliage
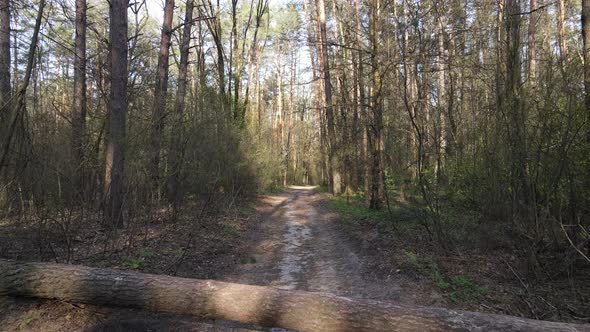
274 190
456 287
139 262
230 230
134 263
355 212
28 319
465 289
247 260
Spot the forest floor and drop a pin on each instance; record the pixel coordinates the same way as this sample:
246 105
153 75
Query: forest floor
295 240
301 246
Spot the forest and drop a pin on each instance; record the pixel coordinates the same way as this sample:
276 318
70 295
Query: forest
445 143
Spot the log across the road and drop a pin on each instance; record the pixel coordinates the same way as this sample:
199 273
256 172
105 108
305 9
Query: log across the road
263 306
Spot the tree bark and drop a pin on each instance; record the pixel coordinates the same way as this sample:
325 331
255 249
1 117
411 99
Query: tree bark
586 52
179 106
325 69
261 8
160 94
375 135
214 26
317 88
5 88
532 46
17 107
561 30
115 149
79 114
263 306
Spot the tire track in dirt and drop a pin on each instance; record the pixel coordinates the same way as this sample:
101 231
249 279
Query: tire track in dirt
300 246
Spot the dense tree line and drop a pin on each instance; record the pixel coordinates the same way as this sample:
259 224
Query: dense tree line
472 103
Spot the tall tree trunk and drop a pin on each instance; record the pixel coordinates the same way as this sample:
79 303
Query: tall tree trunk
440 126
214 26
160 94
17 107
364 143
79 114
535 15
114 185
325 69
561 31
375 135
500 63
261 8
280 106
586 52
312 37
176 150
234 67
5 88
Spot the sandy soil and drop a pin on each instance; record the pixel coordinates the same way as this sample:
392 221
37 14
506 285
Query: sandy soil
301 246
297 245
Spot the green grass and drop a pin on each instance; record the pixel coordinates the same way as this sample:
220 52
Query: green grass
457 288
274 190
231 230
248 260
134 263
354 211
138 263
29 319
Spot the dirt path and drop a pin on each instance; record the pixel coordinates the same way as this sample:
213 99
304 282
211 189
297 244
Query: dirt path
300 246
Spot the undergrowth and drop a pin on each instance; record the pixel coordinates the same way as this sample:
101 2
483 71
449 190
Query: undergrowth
457 288
406 221
353 212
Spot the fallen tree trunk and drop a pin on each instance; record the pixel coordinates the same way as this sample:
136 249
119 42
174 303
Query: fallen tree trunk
264 306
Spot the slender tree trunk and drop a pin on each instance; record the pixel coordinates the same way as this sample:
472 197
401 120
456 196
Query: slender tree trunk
287 153
440 126
364 143
5 88
18 105
176 150
532 41
114 184
160 94
500 62
586 52
375 137
325 69
214 26
312 39
280 108
261 8
355 137
15 55
561 31
234 64
79 114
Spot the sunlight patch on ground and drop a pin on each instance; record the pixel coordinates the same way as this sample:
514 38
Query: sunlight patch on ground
293 261
302 187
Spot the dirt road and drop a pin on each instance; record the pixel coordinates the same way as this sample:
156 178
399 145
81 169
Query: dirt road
300 246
